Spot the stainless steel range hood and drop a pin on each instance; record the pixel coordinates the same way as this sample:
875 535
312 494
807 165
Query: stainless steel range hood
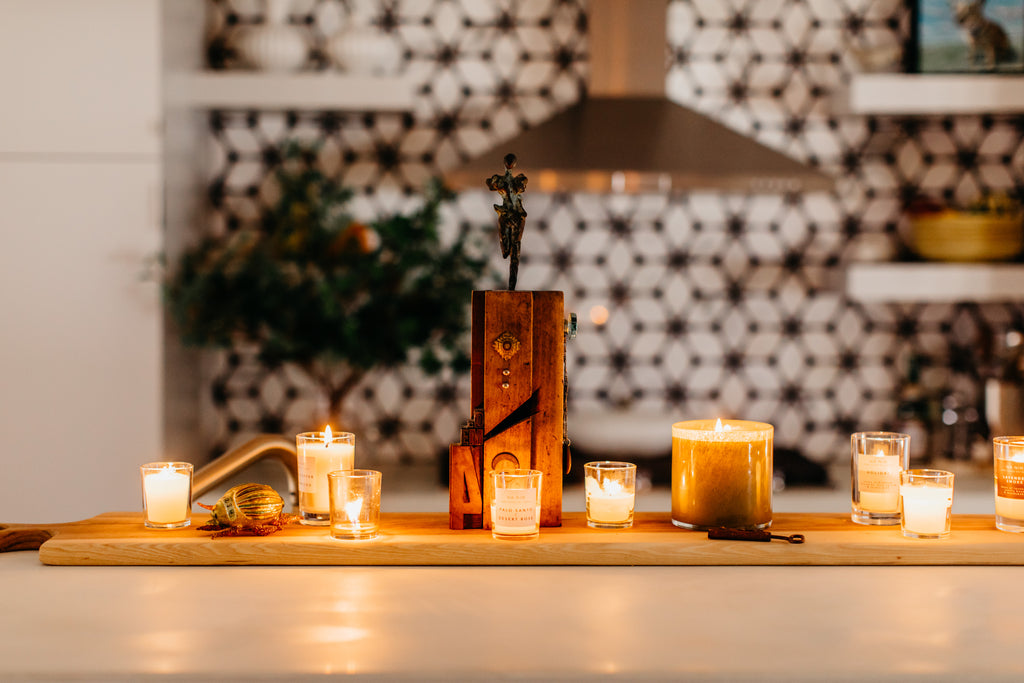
626 136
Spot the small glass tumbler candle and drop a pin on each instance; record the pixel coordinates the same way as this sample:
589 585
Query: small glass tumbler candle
926 502
1009 482
515 508
722 474
167 494
876 460
355 503
611 491
318 454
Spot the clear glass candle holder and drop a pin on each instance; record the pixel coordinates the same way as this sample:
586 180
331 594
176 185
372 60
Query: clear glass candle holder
167 494
1008 452
320 453
611 492
354 503
722 474
926 503
876 460
515 507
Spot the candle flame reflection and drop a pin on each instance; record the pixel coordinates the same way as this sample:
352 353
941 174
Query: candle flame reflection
353 508
612 487
719 427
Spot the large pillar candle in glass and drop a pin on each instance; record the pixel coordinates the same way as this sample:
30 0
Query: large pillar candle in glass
320 453
722 474
1009 482
876 460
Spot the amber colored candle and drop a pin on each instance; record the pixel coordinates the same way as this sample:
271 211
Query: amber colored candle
722 474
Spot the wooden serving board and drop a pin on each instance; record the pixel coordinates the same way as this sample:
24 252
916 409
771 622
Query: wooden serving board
119 538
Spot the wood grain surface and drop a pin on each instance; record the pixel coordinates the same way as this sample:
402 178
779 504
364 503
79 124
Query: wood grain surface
119 538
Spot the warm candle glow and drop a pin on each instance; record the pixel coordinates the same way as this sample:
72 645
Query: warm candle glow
327 436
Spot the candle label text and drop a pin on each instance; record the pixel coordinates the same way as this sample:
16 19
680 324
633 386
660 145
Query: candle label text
515 507
878 474
307 474
1010 479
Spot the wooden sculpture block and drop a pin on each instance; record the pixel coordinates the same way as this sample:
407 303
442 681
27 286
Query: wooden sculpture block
518 394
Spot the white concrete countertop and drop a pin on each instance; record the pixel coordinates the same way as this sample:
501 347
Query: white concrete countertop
526 623
472 623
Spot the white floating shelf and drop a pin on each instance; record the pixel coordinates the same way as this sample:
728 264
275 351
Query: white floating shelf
241 90
935 94
934 282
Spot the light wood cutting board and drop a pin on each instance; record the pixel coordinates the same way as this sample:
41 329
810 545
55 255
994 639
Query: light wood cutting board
119 538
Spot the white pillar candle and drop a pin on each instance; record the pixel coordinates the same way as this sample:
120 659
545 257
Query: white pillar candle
609 504
926 508
167 493
317 458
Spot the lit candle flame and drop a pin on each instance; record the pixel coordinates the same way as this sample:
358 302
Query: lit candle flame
353 508
879 454
719 427
327 436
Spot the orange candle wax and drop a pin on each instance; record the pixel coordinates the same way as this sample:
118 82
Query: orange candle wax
723 476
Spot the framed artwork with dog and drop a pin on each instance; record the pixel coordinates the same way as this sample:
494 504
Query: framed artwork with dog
968 36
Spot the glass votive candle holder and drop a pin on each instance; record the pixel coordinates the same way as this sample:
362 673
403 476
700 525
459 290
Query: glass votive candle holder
318 454
354 503
876 460
167 494
1008 452
926 503
515 507
610 489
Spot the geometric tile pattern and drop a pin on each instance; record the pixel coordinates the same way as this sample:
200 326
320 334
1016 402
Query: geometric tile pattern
717 304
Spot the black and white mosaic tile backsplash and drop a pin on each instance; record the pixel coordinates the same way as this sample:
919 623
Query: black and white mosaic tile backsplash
717 304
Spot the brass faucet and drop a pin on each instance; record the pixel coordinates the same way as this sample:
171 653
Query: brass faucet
237 459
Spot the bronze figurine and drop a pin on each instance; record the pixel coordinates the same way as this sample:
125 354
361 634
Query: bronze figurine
511 215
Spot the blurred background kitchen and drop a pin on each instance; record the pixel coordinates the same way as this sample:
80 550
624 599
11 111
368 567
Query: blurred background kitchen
822 308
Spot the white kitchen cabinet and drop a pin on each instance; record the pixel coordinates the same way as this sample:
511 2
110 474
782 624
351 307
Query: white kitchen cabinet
81 212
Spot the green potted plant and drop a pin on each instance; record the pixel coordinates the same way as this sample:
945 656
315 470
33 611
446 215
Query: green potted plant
333 296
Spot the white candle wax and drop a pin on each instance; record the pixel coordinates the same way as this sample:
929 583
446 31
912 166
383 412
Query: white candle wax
610 504
515 512
316 460
925 508
166 496
878 482
1010 508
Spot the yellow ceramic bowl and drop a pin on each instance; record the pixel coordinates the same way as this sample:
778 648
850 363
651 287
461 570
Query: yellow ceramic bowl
960 236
